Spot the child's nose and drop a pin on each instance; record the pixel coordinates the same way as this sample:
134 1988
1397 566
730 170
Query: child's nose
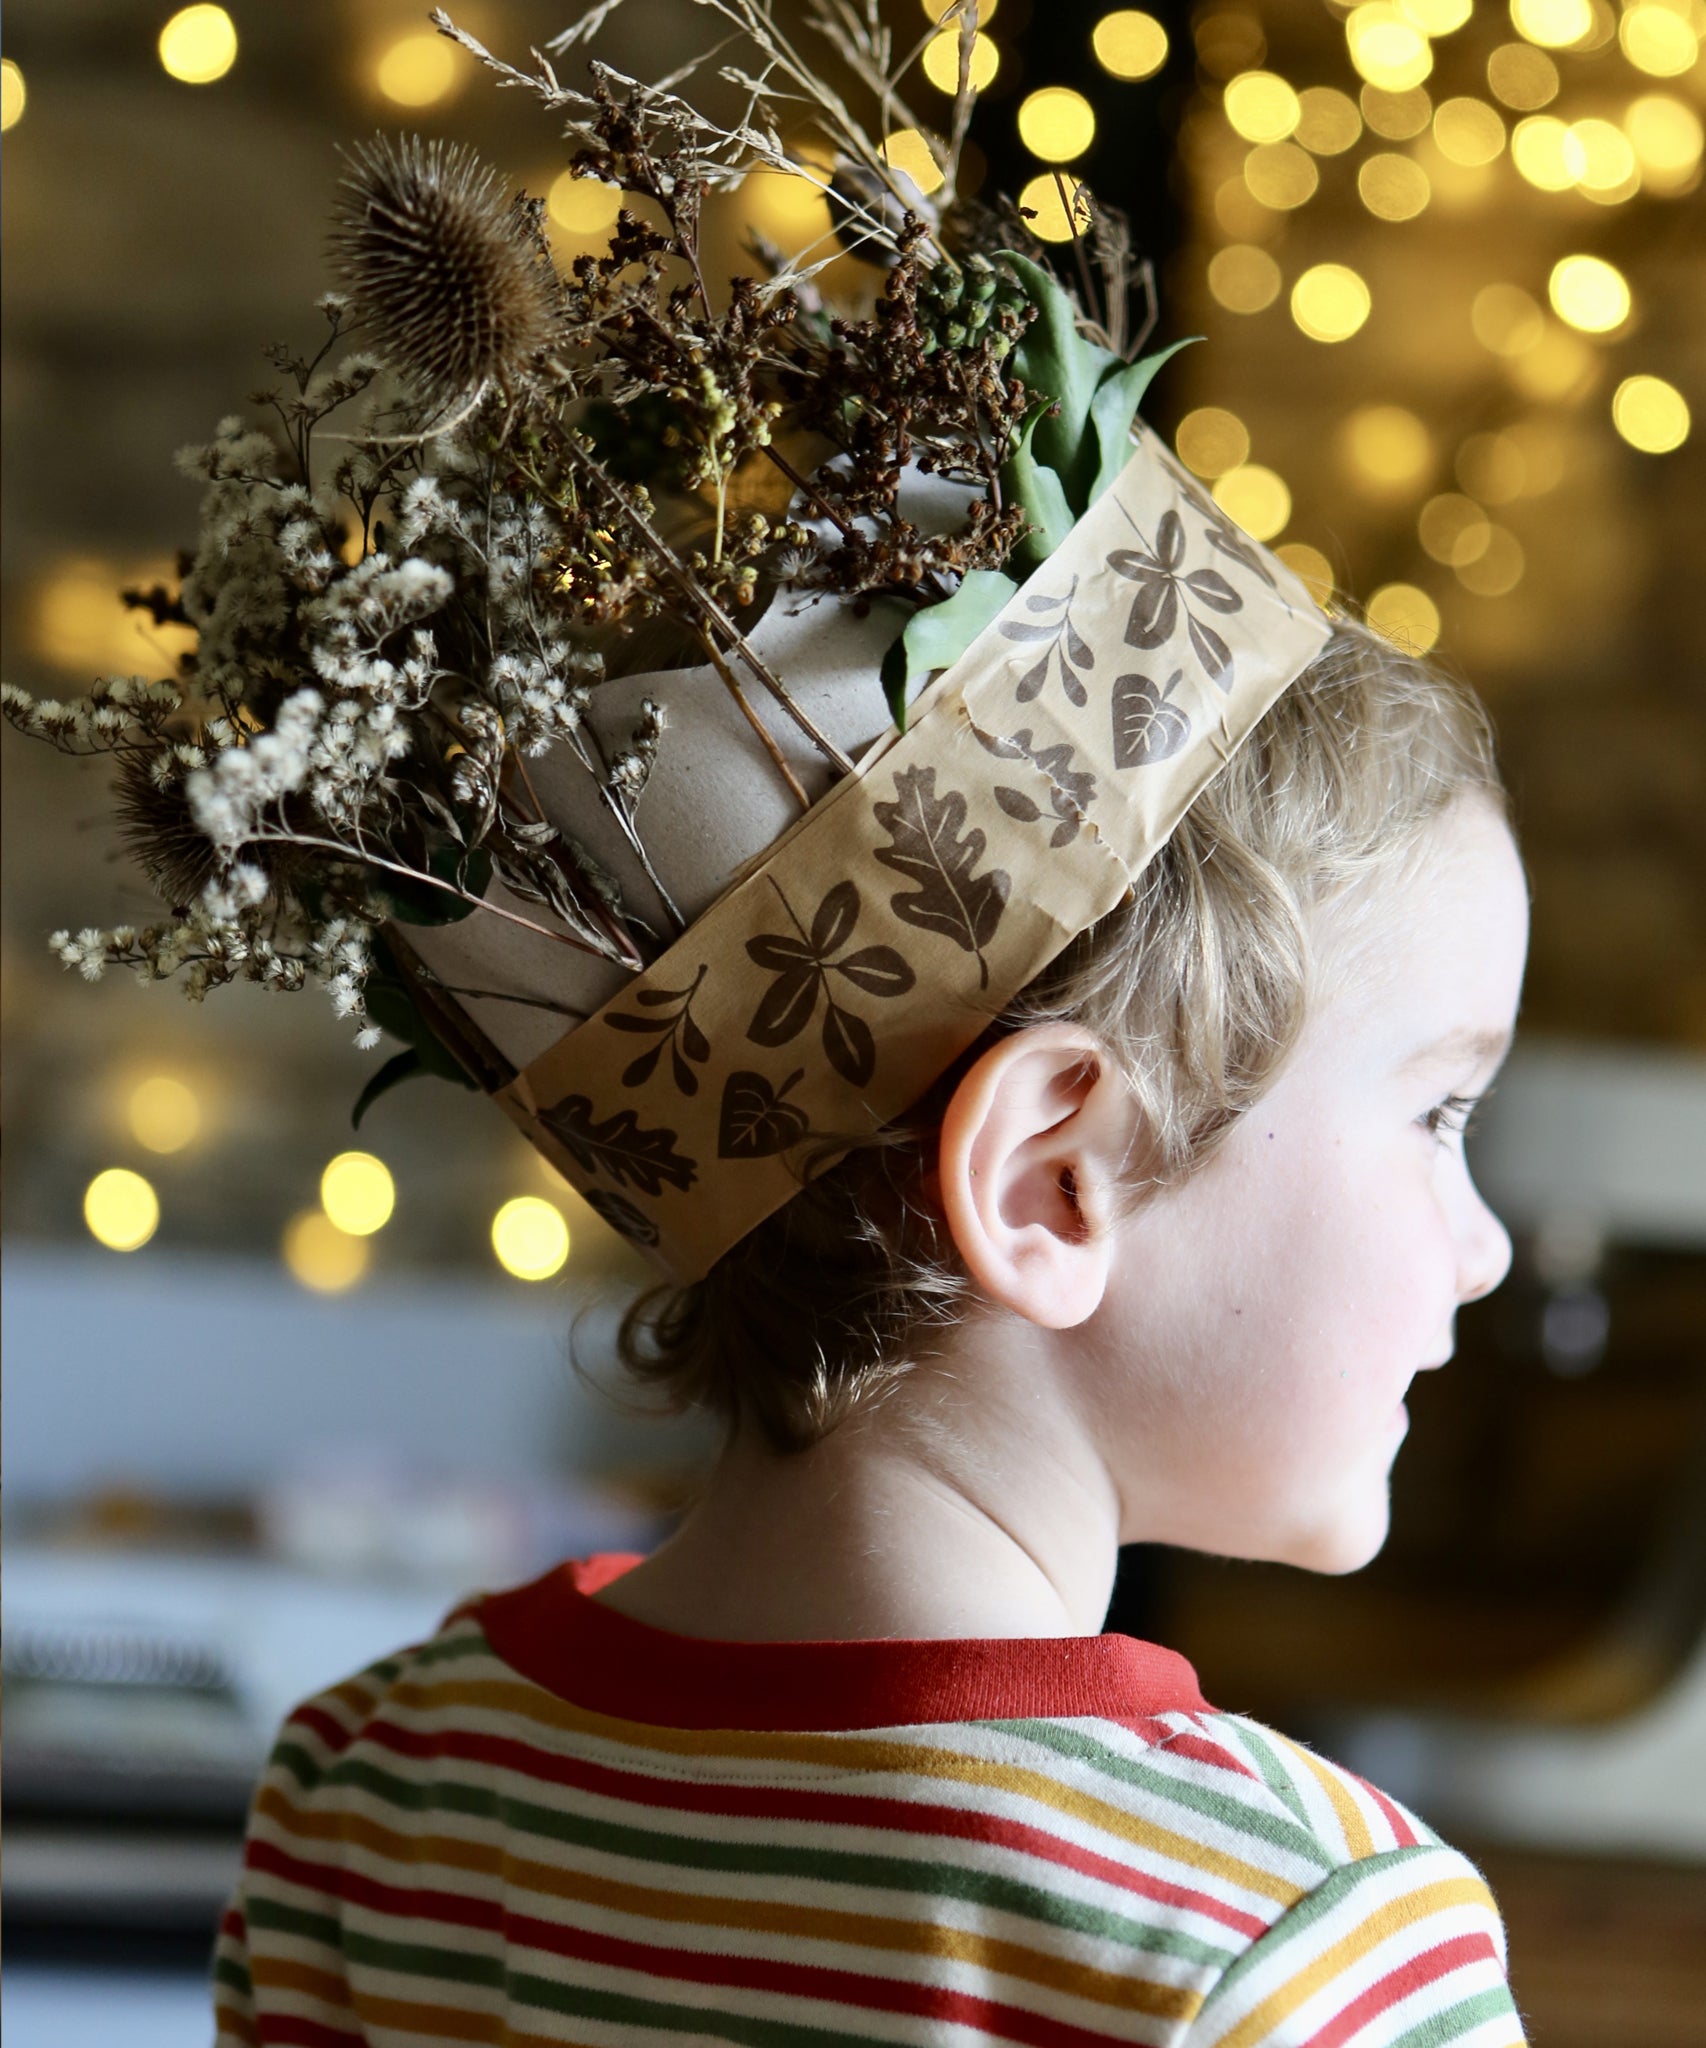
1484 1248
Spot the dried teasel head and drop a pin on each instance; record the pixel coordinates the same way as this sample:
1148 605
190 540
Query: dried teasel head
449 274
155 822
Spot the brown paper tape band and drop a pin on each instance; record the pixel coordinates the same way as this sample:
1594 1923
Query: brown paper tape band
827 988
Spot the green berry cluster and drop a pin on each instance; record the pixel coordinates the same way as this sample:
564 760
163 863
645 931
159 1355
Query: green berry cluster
959 302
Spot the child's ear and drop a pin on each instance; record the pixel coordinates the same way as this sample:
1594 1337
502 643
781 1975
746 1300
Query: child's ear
1031 1147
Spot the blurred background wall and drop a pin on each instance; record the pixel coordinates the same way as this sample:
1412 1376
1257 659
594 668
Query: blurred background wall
1448 258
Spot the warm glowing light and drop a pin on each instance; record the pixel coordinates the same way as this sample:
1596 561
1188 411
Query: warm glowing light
1386 47
1211 441
530 1238
320 1255
787 206
198 45
906 151
1241 215
935 9
1491 469
1600 155
1256 497
1545 449
358 1193
1537 150
1406 616
1327 120
1554 24
1437 17
121 1209
1053 223
1468 132
1129 43
1522 76
1281 175
1262 107
1056 124
1243 278
1561 366
1506 320
1650 414
1330 302
1658 40
941 61
1589 293
585 206
1310 567
1229 40
79 623
1454 529
1665 135
14 96
1393 187
163 1114
1497 568
1396 115
1388 447
417 70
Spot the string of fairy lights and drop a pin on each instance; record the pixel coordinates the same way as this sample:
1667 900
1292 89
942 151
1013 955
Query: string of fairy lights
1579 102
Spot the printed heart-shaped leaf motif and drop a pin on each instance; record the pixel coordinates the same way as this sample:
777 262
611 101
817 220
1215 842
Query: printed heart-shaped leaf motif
755 1122
1148 725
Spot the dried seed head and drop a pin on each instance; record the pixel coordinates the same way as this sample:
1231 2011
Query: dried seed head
165 841
450 276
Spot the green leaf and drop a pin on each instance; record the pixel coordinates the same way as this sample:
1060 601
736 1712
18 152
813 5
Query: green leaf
400 1067
1040 491
411 902
1052 357
392 1007
941 633
1112 411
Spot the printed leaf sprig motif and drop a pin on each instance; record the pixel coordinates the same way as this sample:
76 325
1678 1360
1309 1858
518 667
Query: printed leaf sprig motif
1165 587
802 967
1070 799
674 1028
932 848
1064 644
646 1160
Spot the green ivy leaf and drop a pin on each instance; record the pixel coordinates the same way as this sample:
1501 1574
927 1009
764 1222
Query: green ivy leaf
417 903
1040 491
1113 409
941 633
399 1067
1052 357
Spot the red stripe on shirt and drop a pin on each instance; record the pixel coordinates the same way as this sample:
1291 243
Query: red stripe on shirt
1397 1985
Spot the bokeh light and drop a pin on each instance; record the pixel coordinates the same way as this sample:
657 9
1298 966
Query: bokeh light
1539 153
787 206
1665 134
1281 175
1310 566
1212 440
1243 278
935 9
1053 223
198 45
1330 302
906 151
1256 497
121 1209
320 1255
163 1113
1601 158
1522 76
530 1238
1491 468
1496 568
941 61
585 206
1328 122
1387 48
1468 131
14 94
417 70
1396 115
1658 40
1261 106
1454 529
358 1193
1553 24
1438 17
1129 44
1589 293
1559 367
1405 615
1506 320
1650 414
1393 187
1056 123
1387 448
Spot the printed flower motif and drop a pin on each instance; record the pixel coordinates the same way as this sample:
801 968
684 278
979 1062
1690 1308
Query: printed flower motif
802 967
1164 589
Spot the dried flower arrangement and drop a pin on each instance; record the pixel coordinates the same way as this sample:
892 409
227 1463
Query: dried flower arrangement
548 471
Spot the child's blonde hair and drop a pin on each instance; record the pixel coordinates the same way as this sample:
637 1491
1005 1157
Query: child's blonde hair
1197 986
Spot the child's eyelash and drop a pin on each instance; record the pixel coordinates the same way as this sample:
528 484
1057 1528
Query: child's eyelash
1455 1113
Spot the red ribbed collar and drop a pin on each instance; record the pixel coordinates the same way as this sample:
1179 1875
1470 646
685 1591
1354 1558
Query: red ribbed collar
555 1634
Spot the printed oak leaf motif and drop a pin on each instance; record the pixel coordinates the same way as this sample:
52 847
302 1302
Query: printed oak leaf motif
932 848
1070 799
622 1215
756 1123
803 966
1164 589
1148 725
672 1027
1066 647
645 1160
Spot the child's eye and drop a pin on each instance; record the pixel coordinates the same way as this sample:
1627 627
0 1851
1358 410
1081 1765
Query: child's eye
1453 1114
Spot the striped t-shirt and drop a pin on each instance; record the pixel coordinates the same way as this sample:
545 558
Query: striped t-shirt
553 1824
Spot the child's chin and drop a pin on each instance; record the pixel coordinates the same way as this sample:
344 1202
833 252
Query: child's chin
1355 1539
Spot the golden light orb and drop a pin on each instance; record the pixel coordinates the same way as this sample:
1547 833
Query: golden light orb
358 1193
1396 115
1405 615
1129 44
905 150
1538 151
1056 123
1589 293
1522 76
1650 414
1491 468
14 94
1328 122
1241 215
121 1209
935 9
1393 187
1497 568
1559 368
1329 302
1505 320
1211 441
1454 529
322 1257
1553 24
1243 278
1600 156
1053 223
1438 17
1261 106
1659 40
417 70
941 61
1388 447
530 1238
787 206
164 1113
1386 47
1256 497
1281 175
585 206
1665 134
198 45
1310 567
1468 132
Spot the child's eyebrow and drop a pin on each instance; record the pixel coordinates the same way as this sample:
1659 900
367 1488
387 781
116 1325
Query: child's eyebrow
1464 1043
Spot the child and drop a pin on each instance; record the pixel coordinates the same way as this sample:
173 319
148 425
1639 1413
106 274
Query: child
847 1760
